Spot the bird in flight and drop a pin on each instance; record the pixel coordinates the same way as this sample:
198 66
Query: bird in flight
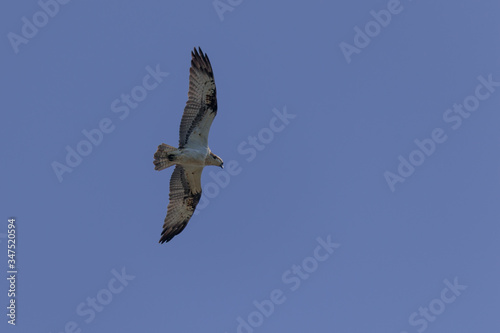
193 153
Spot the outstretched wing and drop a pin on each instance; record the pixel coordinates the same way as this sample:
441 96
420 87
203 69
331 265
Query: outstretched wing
201 106
185 193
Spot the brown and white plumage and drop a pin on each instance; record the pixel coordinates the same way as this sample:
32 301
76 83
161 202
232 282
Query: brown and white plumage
193 153
201 107
185 193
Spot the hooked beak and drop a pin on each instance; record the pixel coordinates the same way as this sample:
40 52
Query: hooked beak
222 165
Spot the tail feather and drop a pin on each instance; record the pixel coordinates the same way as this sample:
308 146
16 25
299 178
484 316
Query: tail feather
164 156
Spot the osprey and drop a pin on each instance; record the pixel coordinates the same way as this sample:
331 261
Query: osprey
193 153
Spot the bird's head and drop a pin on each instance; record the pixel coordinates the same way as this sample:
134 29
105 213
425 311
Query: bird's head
216 160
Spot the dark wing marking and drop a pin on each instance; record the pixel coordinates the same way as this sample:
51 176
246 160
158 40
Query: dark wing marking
201 106
185 193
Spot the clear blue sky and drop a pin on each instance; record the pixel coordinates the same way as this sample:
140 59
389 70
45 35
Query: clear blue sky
365 182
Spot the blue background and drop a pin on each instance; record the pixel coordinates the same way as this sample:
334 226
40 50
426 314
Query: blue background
321 176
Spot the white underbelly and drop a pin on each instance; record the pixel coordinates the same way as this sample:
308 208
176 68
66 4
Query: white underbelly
191 156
